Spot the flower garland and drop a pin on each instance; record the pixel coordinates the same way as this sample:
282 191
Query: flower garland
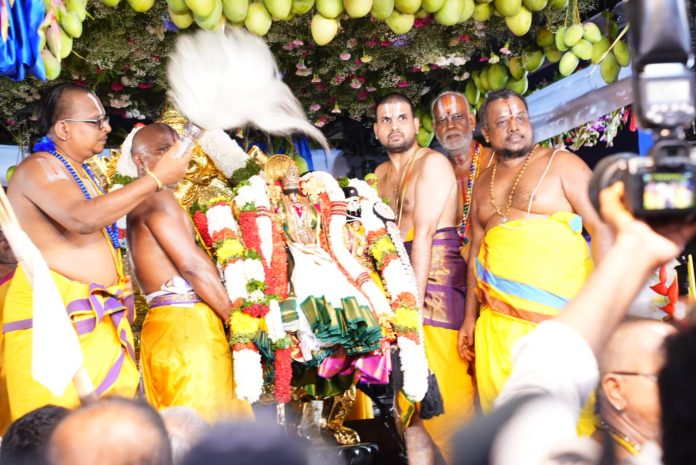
252 203
386 247
241 275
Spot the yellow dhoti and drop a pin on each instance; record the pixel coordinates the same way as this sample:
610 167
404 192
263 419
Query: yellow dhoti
443 312
187 361
101 318
527 270
4 401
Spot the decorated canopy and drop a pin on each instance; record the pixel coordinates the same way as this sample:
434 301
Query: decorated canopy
336 55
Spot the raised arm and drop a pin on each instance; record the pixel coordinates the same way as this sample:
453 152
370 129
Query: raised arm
432 190
575 179
191 261
43 181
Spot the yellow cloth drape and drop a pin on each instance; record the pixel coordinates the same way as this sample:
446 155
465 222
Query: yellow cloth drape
187 361
455 384
5 419
527 270
105 338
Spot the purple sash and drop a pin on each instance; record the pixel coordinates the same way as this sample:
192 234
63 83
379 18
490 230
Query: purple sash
445 293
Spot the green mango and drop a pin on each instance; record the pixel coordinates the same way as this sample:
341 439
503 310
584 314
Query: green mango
609 68
431 6
573 35
408 7
568 64
53 32
518 85
520 23
558 4
498 76
323 29
77 6
10 171
400 23
357 8
516 68
450 12
535 5
424 137
591 32
467 11
110 3
583 49
544 37
478 105
212 21
258 20
419 113
235 10
553 54
477 80
599 48
472 93
177 6
181 20
141 6
621 53
508 7
613 30
427 121
381 9
532 59
302 166
300 7
279 9
482 12
329 8
66 44
559 39
51 65
71 24
200 8
483 79
421 13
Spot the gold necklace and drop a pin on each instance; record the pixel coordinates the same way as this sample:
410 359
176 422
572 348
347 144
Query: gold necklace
503 214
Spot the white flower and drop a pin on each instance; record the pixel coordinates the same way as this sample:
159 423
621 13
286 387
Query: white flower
257 296
248 374
415 368
245 196
253 270
235 283
274 321
220 217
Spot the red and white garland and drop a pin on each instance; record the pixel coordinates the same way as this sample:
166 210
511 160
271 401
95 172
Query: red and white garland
387 247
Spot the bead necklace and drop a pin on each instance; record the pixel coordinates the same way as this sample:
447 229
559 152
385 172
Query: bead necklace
45 144
620 438
503 214
473 169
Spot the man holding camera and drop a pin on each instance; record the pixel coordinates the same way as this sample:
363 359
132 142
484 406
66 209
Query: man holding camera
528 256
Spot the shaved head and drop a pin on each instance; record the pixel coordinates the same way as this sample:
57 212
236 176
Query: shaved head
148 140
634 344
112 431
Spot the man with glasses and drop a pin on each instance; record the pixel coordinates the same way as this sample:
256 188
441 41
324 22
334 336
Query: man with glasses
65 213
454 126
628 396
528 256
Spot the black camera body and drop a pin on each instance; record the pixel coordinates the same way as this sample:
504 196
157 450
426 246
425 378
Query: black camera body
661 185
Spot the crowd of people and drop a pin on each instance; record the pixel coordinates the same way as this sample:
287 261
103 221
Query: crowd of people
524 318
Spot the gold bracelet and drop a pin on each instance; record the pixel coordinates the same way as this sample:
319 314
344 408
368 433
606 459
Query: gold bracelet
160 186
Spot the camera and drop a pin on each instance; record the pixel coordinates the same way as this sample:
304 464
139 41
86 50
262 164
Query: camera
661 185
